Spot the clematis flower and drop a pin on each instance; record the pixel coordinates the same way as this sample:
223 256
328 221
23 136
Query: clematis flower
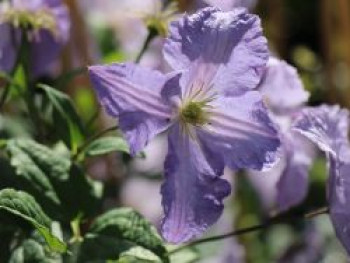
285 96
46 25
229 4
207 106
327 127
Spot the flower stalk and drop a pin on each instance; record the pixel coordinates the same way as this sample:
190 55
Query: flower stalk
81 148
152 33
279 219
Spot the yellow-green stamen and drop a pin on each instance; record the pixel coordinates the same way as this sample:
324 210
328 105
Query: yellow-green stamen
194 113
32 20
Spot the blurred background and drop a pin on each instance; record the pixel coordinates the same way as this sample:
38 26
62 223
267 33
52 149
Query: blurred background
312 35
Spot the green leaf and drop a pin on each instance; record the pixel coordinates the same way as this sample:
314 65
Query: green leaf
24 206
138 255
66 119
80 194
32 164
29 251
186 255
62 189
118 231
106 145
32 251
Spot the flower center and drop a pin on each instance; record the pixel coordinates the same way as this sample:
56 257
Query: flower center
30 20
194 113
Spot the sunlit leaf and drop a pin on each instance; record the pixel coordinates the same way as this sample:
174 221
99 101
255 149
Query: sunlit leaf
106 145
138 255
118 231
62 189
23 205
31 251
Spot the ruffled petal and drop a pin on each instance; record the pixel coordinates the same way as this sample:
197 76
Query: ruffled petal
281 87
132 94
326 126
241 130
192 192
339 196
228 5
229 45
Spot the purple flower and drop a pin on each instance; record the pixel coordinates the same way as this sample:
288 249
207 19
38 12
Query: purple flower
327 127
212 117
284 94
282 88
46 23
228 5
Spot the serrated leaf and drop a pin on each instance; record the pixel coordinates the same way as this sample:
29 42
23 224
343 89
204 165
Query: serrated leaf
51 176
28 174
119 231
24 206
31 251
106 145
65 117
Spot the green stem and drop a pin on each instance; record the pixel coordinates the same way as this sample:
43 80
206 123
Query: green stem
152 33
91 139
30 92
272 221
75 226
4 95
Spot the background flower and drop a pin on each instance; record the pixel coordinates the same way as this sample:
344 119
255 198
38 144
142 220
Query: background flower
45 42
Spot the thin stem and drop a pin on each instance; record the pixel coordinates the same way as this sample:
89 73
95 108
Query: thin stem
30 92
91 139
272 221
4 95
92 119
152 33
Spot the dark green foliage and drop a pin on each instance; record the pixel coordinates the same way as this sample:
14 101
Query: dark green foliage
24 206
119 232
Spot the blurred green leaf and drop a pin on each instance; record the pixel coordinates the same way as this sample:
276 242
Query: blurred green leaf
106 145
66 119
80 194
17 81
187 255
23 205
119 231
31 251
138 255
85 101
114 57
50 176
14 127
